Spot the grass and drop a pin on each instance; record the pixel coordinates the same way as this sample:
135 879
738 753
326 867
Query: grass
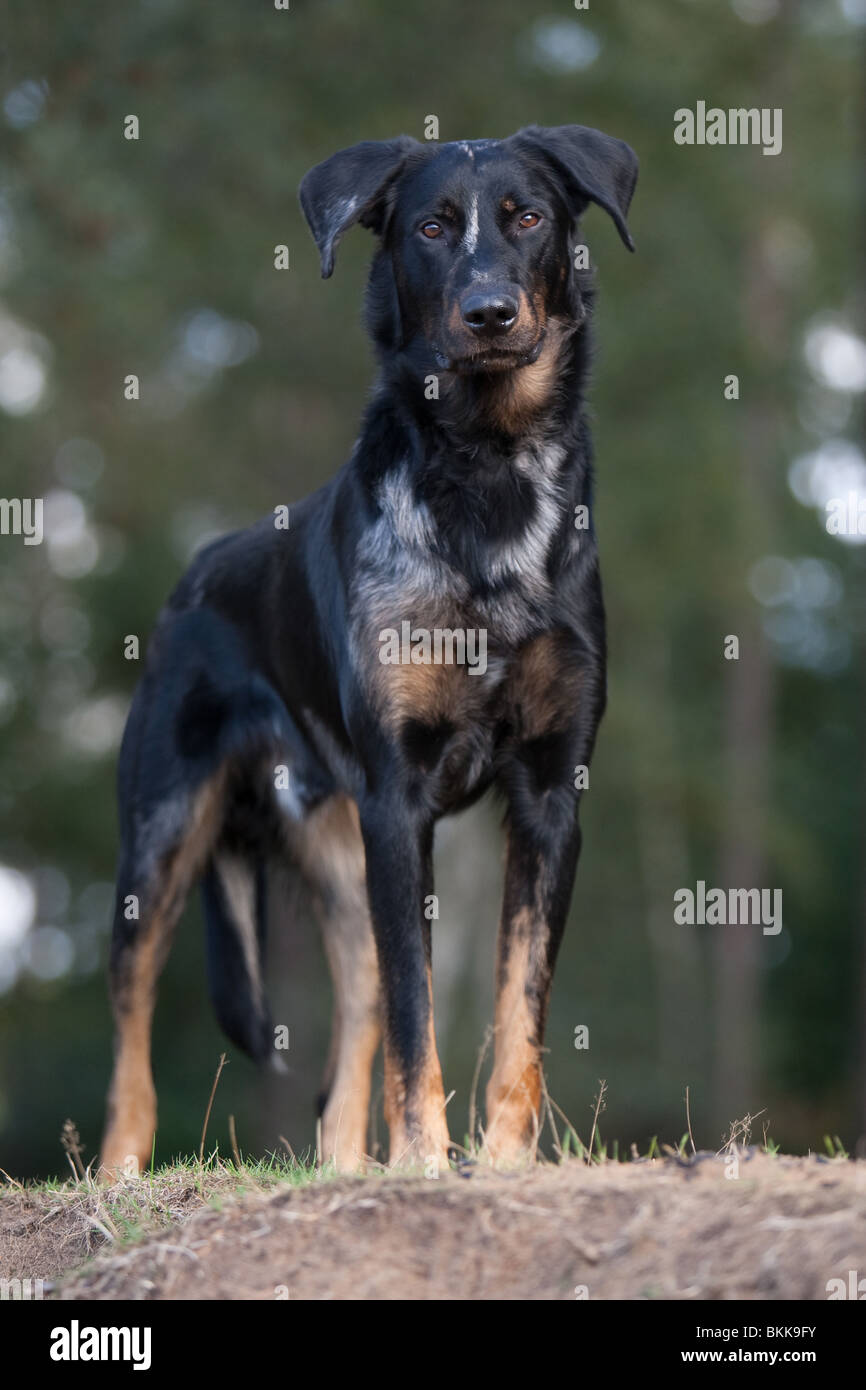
133 1208
83 1216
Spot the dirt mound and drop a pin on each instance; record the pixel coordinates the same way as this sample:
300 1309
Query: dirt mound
781 1229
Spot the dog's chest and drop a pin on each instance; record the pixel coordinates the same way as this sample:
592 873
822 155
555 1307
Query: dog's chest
461 566
440 645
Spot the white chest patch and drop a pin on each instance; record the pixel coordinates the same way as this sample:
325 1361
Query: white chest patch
525 557
400 573
397 564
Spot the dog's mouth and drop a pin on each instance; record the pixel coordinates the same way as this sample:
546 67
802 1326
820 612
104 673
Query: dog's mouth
487 359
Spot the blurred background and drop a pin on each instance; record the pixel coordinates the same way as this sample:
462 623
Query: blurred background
156 257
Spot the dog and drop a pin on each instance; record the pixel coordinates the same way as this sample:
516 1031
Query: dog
278 717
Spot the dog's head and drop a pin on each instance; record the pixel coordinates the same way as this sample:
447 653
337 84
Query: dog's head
477 237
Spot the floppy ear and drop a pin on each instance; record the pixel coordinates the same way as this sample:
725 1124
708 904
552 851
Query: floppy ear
593 168
351 187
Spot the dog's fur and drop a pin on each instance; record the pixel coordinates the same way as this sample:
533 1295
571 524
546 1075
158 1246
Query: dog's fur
457 510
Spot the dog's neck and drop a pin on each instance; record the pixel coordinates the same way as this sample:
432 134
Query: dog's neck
465 488
515 408
477 424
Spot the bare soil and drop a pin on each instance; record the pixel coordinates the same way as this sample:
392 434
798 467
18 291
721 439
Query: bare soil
661 1229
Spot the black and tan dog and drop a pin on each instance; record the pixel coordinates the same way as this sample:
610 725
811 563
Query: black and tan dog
276 715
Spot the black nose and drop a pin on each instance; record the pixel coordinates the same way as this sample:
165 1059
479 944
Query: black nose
489 312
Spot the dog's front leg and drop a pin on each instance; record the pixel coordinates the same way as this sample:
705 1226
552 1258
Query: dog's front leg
543 848
398 847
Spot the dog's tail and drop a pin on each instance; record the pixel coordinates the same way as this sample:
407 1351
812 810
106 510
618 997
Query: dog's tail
234 895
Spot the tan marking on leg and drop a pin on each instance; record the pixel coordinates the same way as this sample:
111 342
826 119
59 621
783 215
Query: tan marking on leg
415 1106
514 1089
131 1124
329 848
346 1116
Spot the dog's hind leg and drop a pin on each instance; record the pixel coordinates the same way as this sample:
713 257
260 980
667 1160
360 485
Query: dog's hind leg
149 903
202 720
330 851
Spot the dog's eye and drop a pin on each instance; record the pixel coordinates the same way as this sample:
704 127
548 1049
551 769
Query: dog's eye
529 219
431 229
